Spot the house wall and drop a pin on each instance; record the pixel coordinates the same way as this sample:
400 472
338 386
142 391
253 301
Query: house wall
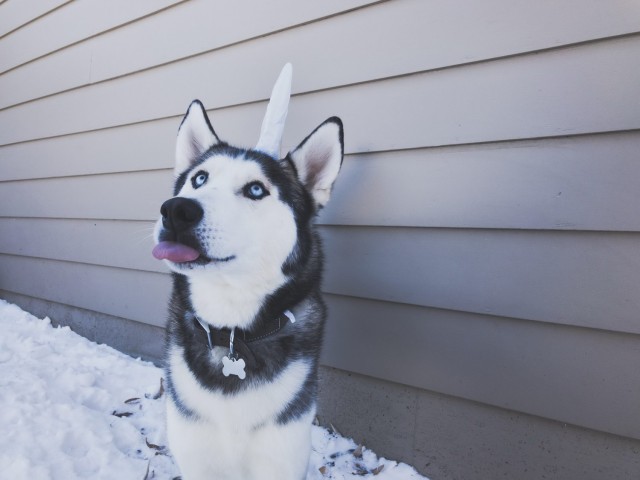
482 240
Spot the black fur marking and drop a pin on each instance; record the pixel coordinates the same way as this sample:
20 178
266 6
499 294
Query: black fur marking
301 340
175 398
180 181
302 403
177 295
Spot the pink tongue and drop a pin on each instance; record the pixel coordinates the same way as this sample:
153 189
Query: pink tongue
175 252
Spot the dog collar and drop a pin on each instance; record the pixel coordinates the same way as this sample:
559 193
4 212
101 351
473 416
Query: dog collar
238 341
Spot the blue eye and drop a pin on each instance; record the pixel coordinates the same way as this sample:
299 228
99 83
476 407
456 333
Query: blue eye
199 179
255 191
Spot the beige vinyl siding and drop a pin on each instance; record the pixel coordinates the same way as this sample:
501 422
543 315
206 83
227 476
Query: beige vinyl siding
511 98
415 266
63 27
562 373
18 14
434 34
544 184
482 241
195 29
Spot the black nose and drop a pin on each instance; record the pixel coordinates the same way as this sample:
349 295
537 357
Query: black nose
180 214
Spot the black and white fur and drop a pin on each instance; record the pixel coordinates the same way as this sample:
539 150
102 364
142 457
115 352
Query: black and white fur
259 255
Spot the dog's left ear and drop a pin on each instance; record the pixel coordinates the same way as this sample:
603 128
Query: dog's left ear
195 136
318 159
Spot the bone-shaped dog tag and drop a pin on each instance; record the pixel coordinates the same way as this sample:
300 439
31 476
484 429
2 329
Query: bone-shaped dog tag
231 366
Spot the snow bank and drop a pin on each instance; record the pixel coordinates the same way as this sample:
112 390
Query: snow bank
70 408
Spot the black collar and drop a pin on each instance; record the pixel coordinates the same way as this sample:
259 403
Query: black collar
221 337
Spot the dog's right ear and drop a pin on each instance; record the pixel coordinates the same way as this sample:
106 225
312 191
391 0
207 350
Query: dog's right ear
195 136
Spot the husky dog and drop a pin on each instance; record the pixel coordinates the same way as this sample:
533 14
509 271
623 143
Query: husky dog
246 317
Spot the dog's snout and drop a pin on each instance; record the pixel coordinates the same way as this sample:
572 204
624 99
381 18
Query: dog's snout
180 214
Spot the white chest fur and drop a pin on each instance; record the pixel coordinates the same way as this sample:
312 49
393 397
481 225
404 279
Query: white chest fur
227 302
236 436
260 403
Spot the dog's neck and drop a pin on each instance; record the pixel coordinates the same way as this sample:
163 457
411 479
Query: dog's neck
230 302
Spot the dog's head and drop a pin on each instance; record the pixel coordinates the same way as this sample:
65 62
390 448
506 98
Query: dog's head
237 210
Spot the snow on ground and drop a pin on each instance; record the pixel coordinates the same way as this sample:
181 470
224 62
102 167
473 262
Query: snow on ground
70 408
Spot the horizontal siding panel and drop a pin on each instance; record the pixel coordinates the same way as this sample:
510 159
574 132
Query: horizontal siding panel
578 376
472 32
62 70
97 242
127 196
14 13
112 291
144 146
524 97
153 41
516 98
583 279
581 183
73 23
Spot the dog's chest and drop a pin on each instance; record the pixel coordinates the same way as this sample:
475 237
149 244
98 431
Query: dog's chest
258 404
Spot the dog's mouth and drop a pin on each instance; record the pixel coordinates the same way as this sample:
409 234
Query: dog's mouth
181 254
